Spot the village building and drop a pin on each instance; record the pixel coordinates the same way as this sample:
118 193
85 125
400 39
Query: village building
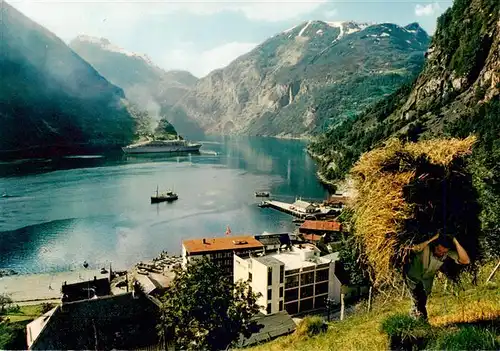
296 280
220 250
274 241
120 322
313 231
86 290
304 207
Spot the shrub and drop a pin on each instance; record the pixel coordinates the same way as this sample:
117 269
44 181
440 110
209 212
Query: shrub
406 333
310 326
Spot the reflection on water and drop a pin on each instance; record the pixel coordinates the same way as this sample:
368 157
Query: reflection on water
65 211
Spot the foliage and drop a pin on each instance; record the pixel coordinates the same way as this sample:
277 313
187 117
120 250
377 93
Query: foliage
203 310
405 332
467 338
484 166
45 307
349 255
5 301
310 326
466 43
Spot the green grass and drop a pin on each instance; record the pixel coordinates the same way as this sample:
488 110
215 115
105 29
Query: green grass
28 312
449 310
13 325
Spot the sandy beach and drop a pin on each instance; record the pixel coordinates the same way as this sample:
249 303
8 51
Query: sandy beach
40 287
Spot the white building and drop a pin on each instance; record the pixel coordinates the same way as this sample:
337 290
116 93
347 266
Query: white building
296 280
304 207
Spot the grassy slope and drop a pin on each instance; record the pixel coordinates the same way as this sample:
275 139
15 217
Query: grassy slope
361 330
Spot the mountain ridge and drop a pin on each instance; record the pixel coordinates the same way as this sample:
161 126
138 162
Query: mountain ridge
253 94
145 83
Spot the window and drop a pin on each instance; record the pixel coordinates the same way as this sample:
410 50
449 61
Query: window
292 308
307 278
306 291
268 309
281 291
291 282
282 274
281 305
320 302
321 288
291 295
269 294
322 275
306 305
269 276
249 276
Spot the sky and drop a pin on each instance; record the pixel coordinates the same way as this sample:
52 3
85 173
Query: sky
200 36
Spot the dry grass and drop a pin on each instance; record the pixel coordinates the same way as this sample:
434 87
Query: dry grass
384 179
361 330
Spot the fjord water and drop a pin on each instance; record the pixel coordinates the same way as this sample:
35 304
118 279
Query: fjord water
97 209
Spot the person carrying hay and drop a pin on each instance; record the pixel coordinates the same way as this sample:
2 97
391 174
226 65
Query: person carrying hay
425 261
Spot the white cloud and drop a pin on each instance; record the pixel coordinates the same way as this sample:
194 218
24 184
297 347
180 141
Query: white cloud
202 63
427 10
68 18
331 13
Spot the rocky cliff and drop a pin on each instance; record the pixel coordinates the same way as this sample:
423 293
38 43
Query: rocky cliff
306 78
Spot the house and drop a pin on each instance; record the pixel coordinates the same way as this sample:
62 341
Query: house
274 241
268 327
220 250
150 286
296 280
332 229
123 322
337 201
304 207
86 290
312 238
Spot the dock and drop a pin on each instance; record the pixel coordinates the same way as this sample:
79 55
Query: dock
287 208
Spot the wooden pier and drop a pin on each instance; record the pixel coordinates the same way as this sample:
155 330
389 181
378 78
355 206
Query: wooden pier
288 208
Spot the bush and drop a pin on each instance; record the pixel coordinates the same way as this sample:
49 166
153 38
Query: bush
467 338
310 326
406 333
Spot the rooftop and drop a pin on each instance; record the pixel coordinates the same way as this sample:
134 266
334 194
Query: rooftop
312 237
268 260
221 244
302 204
269 327
327 226
305 255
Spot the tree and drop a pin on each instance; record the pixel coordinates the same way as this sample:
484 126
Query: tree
203 310
5 301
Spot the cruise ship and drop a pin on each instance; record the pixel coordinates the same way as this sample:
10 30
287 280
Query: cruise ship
162 146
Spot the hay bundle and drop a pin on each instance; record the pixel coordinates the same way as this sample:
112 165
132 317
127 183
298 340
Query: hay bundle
408 192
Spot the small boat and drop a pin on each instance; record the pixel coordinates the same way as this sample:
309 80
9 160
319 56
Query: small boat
263 204
162 197
262 194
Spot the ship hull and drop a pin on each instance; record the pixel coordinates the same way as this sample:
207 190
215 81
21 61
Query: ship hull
163 150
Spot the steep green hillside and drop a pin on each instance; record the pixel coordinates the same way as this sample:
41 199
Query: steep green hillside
456 94
303 80
50 98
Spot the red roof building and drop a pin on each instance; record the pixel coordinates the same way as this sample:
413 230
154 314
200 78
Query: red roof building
316 227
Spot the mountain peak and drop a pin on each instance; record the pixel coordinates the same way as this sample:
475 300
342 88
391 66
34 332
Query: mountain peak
105 44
